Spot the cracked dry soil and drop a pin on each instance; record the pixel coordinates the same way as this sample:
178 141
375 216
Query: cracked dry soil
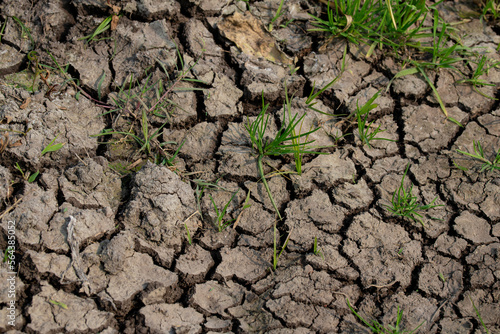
102 252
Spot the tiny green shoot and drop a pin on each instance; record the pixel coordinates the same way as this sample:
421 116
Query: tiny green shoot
52 147
278 14
316 249
479 155
276 253
6 255
26 176
188 234
378 328
102 27
365 133
3 28
479 316
62 305
220 223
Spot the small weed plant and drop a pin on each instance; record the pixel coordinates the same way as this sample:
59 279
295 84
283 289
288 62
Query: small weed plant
378 328
491 9
478 155
52 147
147 109
365 129
316 250
220 223
278 145
27 176
276 250
405 204
483 65
277 16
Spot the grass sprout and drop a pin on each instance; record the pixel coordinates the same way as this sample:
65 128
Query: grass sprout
297 144
52 147
479 155
366 134
276 250
27 176
479 316
25 31
405 204
60 304
277 146
2 29
188 234
220 223
316 249
491 9
311 99
101 28
482 67
378 328
277 16
146 108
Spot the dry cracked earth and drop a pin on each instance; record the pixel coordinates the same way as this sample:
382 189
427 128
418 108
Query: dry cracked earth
101 249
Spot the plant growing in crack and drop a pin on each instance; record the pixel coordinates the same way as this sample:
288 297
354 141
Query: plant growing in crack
365 133
278 145
405 204
488 165
277 252
316 250
219 219
378 328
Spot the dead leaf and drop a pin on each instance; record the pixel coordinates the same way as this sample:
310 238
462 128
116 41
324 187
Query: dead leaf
25 104
247 32
115 18
114 22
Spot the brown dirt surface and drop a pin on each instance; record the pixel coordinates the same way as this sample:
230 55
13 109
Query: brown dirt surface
131 199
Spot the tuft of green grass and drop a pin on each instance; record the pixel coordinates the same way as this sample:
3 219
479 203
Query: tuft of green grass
366 134
348 19
278 145
378 328
219 220
491 9
405 204
482 67
143 105
277 16
478 155
298 145
100 29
